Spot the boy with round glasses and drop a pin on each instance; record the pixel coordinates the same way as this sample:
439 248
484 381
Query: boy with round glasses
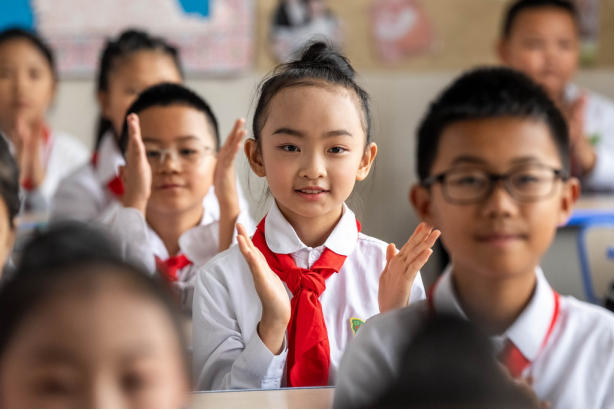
493 161
181 201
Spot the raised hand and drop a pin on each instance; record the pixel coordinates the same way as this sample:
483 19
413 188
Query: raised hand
225 183
136 175
402 267
28 140
271 291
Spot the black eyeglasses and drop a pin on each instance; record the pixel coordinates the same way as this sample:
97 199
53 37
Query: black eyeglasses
472 185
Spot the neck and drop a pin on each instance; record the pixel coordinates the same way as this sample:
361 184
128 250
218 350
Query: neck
493 304
170 226
313 231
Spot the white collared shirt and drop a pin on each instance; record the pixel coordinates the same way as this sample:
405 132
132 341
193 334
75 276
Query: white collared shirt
599 128
227 351
84 195
141 245
574 369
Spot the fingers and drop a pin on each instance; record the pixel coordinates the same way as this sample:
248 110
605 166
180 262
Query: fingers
420 239
391 252
235 138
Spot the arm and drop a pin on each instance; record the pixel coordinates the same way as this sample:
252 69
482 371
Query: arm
228 355
225 184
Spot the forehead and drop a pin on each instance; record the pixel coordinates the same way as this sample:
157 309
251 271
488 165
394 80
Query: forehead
497 143
169 123
80 328
313 109
146 66
21 49
544 20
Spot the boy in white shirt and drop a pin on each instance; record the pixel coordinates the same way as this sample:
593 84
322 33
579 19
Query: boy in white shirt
180 203
542 39
493 162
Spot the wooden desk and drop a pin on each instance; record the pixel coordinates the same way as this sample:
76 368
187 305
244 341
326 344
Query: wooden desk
307 398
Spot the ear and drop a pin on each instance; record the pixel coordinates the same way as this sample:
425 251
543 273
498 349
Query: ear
420 198
571 192
501 50
103 102
366 162
255 158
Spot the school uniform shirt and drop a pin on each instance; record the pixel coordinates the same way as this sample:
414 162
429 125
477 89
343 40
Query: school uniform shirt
574 369
139 243
85 195
228 352
599 129
62 154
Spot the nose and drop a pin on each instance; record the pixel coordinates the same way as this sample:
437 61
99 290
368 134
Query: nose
313 166
169 162
499 203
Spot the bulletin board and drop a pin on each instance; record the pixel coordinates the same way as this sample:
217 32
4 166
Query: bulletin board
464 34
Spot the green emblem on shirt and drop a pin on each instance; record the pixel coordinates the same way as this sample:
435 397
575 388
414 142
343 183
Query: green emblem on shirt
594 139
355 324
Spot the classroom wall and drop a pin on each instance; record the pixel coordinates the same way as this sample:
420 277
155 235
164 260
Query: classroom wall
399 101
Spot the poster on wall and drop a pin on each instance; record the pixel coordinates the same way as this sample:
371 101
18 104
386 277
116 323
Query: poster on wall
214 36
296 22
400 29
589 18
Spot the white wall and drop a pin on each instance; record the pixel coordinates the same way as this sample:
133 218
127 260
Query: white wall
399 101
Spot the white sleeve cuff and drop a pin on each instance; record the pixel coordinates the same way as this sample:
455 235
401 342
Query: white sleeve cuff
258 359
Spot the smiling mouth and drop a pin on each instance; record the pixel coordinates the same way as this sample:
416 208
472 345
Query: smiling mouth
311 191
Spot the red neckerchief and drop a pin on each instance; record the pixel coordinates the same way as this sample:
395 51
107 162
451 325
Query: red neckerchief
308 340
511 356
168 268
115 184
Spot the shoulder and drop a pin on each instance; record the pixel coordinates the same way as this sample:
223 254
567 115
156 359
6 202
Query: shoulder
225 265
65 142
81 176
375 246
588 324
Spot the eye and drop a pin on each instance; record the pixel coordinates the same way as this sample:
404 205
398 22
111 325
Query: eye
290 148
527 179
131 91
533 44
188 152
152 154
35 74
134 382
53 387
337 150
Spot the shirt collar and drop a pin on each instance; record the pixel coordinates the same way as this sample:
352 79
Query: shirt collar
109 158
281 237
528 332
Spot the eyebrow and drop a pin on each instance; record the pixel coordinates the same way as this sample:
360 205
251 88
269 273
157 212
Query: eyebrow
54 355
300 134
477 160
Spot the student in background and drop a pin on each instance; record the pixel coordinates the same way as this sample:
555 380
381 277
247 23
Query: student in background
9 204
28 83
181 201
312 141
129 64
89 333
449 365
542 39
493 164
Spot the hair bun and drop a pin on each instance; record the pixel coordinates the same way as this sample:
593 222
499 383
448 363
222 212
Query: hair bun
323 55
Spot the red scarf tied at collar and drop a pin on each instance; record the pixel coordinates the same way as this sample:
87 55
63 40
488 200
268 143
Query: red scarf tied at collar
308 341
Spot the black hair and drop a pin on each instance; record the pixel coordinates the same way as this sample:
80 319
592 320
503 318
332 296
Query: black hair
449 364
9 180
52 276
67 242
128 43
167 94
34 39
520 5
489 93
319 65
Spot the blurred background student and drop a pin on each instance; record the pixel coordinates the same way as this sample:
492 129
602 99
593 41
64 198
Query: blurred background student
129 64
81 329
28 83
9 205
450 365
542 38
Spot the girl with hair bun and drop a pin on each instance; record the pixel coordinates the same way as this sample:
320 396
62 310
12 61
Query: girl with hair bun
279 309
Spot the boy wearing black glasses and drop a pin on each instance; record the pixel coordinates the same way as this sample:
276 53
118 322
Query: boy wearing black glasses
493 161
